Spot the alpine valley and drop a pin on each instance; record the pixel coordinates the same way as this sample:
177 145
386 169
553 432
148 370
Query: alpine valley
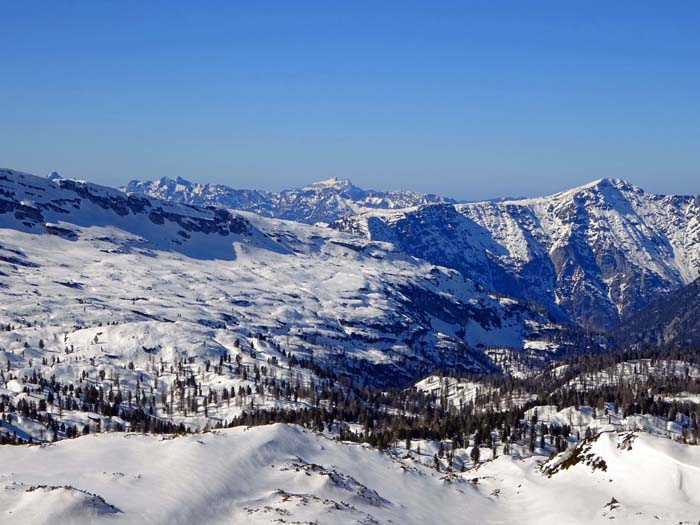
179 352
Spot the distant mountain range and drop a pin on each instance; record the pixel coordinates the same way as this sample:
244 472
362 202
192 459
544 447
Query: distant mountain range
593 255
323 201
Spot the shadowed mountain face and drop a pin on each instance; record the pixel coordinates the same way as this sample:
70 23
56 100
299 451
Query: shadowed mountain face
671 320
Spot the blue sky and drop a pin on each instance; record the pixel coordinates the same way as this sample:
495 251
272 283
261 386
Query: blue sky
467 99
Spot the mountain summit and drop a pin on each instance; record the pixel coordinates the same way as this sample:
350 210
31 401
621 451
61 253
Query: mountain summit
332 183
322 201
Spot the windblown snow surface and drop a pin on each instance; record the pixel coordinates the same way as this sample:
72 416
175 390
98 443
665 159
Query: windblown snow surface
285 474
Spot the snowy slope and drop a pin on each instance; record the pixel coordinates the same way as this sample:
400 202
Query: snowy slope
451 392
625 477
284 474
323 201
117 292
240 475
594 254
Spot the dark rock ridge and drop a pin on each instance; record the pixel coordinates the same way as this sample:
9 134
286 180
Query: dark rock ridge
40 205
672 320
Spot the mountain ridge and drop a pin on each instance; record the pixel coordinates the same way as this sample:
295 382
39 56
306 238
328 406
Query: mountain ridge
322 201
596 253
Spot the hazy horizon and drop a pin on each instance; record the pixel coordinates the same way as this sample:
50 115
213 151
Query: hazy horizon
472 101
300 185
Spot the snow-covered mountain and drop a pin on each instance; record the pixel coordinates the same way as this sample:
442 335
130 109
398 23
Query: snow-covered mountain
323 201
285 474
139 319
594 254
87 263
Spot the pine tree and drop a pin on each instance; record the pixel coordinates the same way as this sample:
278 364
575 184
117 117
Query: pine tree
475 454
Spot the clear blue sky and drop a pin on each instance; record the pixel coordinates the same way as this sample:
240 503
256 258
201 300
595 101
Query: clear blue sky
468 99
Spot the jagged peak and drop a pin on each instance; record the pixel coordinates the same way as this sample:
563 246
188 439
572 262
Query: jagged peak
608 189
598 185
331 183
619 184
167 181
